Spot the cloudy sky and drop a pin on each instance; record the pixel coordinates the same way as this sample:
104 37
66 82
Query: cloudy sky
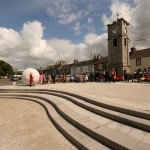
35 33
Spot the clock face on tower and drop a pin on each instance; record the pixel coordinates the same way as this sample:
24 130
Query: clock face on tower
115 30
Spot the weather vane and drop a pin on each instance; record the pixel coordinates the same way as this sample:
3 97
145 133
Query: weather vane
118 16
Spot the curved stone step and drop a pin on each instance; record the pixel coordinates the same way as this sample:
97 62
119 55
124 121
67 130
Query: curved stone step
132 121
130 111
118 141
75 136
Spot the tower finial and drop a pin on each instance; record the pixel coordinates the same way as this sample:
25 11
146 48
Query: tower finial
118 16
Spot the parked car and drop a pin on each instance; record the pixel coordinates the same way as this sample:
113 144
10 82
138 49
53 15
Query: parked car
14 79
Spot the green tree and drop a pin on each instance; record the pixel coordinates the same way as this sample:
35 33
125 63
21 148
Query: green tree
5 69
2 73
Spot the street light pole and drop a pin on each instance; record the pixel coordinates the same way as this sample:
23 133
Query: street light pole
41 68
91 61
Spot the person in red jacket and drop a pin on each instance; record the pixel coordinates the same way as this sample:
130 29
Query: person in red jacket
30 79
113 74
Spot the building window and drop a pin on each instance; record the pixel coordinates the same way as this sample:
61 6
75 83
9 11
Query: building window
125 42
74 70
138 61
100 66
81 68
114 42
89 68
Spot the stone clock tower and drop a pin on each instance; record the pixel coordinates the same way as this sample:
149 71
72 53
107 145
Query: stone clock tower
118 51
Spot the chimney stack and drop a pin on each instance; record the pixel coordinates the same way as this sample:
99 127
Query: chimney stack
75 61
133 50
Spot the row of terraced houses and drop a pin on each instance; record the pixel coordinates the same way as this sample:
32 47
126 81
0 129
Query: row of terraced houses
139 60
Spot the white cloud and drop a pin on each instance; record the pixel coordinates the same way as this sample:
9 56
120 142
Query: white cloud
90 20
96 43
77 28
137 15
90 25
9 39
66 12
32 30
141 27
124 10
26 48
29 49
32 42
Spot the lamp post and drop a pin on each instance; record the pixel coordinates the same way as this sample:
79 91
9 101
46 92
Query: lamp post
91 61
41 68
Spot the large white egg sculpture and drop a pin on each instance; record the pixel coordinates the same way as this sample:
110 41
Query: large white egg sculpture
26 74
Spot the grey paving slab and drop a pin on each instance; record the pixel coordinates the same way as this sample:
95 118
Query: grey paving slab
147 138
125 129
80 118
114 125
85 140
101 120
138 134
91 124
122 139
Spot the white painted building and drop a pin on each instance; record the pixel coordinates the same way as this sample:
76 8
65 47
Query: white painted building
82 67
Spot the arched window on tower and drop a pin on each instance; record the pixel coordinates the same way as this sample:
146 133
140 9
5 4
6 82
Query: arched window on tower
125 42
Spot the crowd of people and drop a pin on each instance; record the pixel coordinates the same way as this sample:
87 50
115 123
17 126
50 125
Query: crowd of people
98 76
62 78
101 76
137 76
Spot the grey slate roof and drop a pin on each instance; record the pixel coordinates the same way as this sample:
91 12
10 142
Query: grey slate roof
140 53
66 66
83 63
102 60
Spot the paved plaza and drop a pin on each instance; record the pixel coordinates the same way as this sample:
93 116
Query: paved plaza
36 132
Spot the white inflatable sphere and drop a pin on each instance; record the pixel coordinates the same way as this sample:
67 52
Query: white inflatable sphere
26 74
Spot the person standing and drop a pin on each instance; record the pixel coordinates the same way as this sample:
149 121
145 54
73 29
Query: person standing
47 78
41 78
113 74
30 79
53 78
